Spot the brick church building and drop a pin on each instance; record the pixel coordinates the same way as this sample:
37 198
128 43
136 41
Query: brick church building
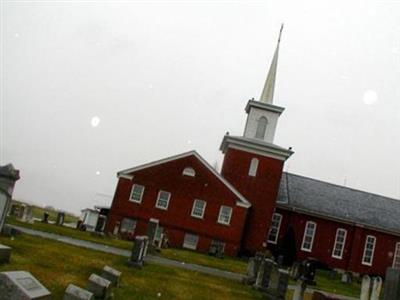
253 205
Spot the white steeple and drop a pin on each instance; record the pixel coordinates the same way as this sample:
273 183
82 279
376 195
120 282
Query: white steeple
267 95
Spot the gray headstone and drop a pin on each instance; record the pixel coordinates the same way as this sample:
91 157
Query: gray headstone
21 285
346 277
74 292
60 218
99 286
365 287
139 251
391 288
8 177
376 288
264 274
5 254
112 275
152 228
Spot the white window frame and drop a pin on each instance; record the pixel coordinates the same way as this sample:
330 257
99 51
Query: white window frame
363 261
396 256
189 171
190 246
277 228
141 195
131 220
203 209
158 199
305 235
339 244
253 167
220 212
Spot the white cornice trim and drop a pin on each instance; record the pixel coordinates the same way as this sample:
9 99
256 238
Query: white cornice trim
243 202
129 177
264 106
248 145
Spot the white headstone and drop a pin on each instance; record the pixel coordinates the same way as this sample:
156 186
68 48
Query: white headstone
21 285
365 287
74 292
376 288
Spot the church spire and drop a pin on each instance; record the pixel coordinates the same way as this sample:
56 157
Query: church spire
269 86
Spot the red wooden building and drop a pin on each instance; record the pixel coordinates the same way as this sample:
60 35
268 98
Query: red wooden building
252 205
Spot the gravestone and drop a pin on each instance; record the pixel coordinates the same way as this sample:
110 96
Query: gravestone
13 210
299 290
265 270
278 284
365 287
27 214
139 251
252 268
21 285
376 288
8 177
391 288
152 228
346 277
112 275
99 286
45 217
74 292
5 253
60 218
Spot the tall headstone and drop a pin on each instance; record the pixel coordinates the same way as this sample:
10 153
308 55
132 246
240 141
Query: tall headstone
45 217
152 228
112 275
8 177
74 292
278 283
391 287
376 288
299 290
21 285
365 287
139 251
267 268
60 218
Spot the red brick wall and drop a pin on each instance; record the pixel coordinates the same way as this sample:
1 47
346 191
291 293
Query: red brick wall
184 189
261 191
354 247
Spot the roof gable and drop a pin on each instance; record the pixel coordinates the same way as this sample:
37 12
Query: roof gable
242 201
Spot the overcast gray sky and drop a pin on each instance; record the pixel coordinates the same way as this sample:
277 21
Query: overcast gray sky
90 88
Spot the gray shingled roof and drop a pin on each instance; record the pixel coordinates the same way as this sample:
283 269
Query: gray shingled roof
339 202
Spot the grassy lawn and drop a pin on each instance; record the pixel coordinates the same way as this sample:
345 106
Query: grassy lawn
56 265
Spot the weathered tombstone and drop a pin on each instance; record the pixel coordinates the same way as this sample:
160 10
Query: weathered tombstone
346 277
112 275
376 288
60 218
299 290
99 286
365 287
265 270
21 285
139 251
74 292
8 177
45 217
13 210
391 288
278 284
27 214
152 227
5 253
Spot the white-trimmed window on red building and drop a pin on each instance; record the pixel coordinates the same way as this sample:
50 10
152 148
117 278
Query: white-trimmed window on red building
225 214
340 241
369 249
137 193
198 208
308 237
163 200
274 229
396 257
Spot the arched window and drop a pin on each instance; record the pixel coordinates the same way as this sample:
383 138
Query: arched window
188 171
253 167
261 127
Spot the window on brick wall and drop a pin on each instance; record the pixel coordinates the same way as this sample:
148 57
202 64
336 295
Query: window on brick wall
188 171
308 237
274 230
128 226
198 208
190 241
225 214
340 241
137 193
396 257
253 167
163 199
369 249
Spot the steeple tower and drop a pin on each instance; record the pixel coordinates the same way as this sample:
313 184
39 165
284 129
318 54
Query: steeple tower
253 164
267 95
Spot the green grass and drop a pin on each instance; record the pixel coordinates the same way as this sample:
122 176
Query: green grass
334 285
56 265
